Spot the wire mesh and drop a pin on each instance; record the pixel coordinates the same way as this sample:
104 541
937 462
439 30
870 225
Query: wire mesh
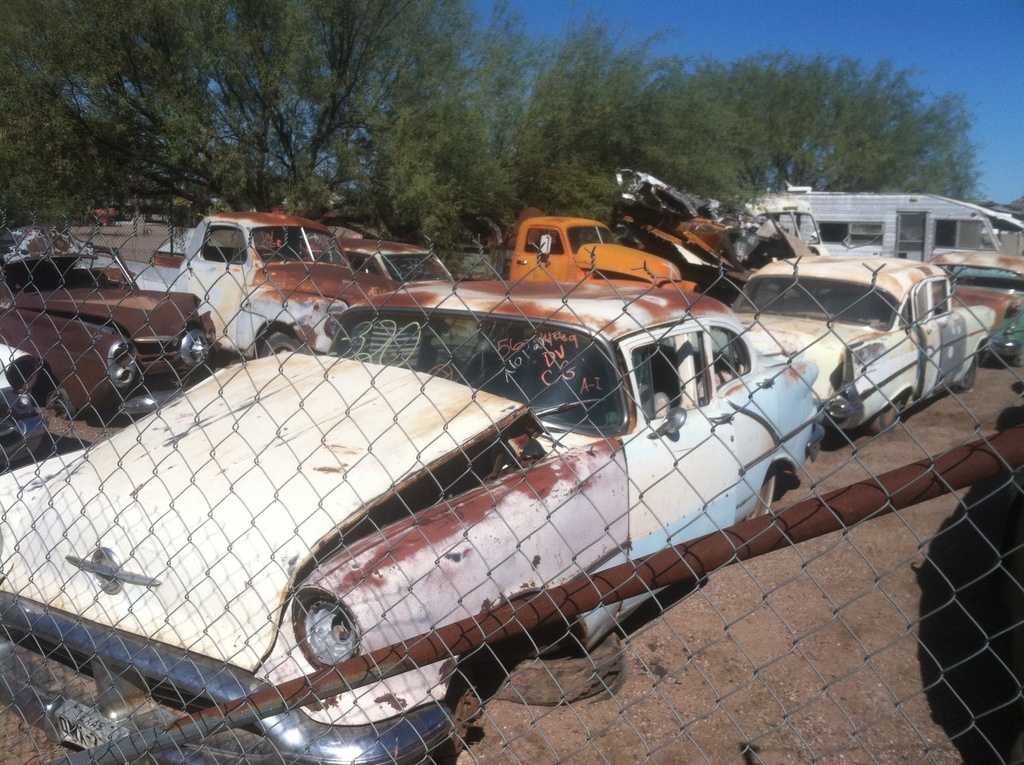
400 506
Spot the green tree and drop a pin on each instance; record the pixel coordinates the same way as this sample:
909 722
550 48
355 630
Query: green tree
250 103
589 112
829 124
414 117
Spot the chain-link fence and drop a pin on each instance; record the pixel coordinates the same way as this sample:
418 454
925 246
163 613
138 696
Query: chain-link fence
486 522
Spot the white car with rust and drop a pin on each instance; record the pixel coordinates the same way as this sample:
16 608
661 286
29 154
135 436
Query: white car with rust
883 332
463 444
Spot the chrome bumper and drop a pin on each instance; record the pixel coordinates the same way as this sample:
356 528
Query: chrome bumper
1004 348
46 658
846 408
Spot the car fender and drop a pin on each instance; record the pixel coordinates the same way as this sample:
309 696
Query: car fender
524 531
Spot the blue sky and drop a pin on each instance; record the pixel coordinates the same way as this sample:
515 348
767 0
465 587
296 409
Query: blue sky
953 46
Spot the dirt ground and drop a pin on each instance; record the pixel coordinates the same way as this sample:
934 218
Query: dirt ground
887 644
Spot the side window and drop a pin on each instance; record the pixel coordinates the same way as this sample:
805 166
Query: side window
729 356
931 298
922 302
224 245
536 236
851 234
671 372
940 295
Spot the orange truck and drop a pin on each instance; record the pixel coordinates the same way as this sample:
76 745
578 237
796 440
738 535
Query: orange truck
563 249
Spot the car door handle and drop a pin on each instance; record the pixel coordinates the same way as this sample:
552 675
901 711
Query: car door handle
722 419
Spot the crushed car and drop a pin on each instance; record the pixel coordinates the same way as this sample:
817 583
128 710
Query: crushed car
714 245
996 281
884 332
459 446
106 346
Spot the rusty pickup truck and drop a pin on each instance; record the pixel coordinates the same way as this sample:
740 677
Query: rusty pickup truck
462 445
272 282
884 332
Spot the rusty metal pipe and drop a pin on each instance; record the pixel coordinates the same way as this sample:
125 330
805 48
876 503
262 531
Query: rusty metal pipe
900 488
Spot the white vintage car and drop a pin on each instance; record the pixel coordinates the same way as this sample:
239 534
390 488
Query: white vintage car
882 331
465 444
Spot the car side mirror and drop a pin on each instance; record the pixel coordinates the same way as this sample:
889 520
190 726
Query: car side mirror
673 423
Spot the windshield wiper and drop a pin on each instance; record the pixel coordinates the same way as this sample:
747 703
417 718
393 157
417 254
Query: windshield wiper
565 406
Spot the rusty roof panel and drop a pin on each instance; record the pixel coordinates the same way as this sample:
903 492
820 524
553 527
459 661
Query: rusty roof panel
981 260
616 311
894 275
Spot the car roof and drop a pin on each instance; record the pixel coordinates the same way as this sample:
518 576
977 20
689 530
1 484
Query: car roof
259 219
370 246
894 275
1003 260
615 311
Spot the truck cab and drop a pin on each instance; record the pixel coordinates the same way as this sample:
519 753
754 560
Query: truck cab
564 249
273 283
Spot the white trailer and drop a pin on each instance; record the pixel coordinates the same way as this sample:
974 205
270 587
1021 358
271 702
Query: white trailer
911 226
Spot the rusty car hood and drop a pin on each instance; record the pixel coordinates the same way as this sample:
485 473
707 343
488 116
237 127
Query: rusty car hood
327 280
221 497
139 313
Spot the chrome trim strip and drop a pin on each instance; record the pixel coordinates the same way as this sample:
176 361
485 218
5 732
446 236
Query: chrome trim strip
111 572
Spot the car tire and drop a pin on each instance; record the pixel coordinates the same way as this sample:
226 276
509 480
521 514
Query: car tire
59 404
465 704
966 383
766 495
886 420
278 342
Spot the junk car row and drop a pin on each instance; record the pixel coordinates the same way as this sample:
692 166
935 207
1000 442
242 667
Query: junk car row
459 444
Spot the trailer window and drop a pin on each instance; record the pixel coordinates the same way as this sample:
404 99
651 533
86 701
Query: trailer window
963 235
852 234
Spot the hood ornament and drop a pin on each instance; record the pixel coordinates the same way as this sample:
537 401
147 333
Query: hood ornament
104 565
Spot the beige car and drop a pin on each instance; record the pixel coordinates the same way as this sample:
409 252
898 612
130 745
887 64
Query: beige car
996 281
884 332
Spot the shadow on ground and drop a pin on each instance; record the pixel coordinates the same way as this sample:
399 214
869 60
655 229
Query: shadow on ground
965 631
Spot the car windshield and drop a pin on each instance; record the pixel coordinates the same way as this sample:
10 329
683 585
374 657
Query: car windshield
417 267
280 244
815 298
989 278
562 372
580 236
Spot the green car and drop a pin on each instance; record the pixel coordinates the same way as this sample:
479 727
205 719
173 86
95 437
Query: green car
995 280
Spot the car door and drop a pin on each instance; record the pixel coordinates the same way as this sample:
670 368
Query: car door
940 333
218 275
681 484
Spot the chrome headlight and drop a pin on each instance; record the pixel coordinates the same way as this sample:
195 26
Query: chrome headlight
325 630
333 322
122 366
195 347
